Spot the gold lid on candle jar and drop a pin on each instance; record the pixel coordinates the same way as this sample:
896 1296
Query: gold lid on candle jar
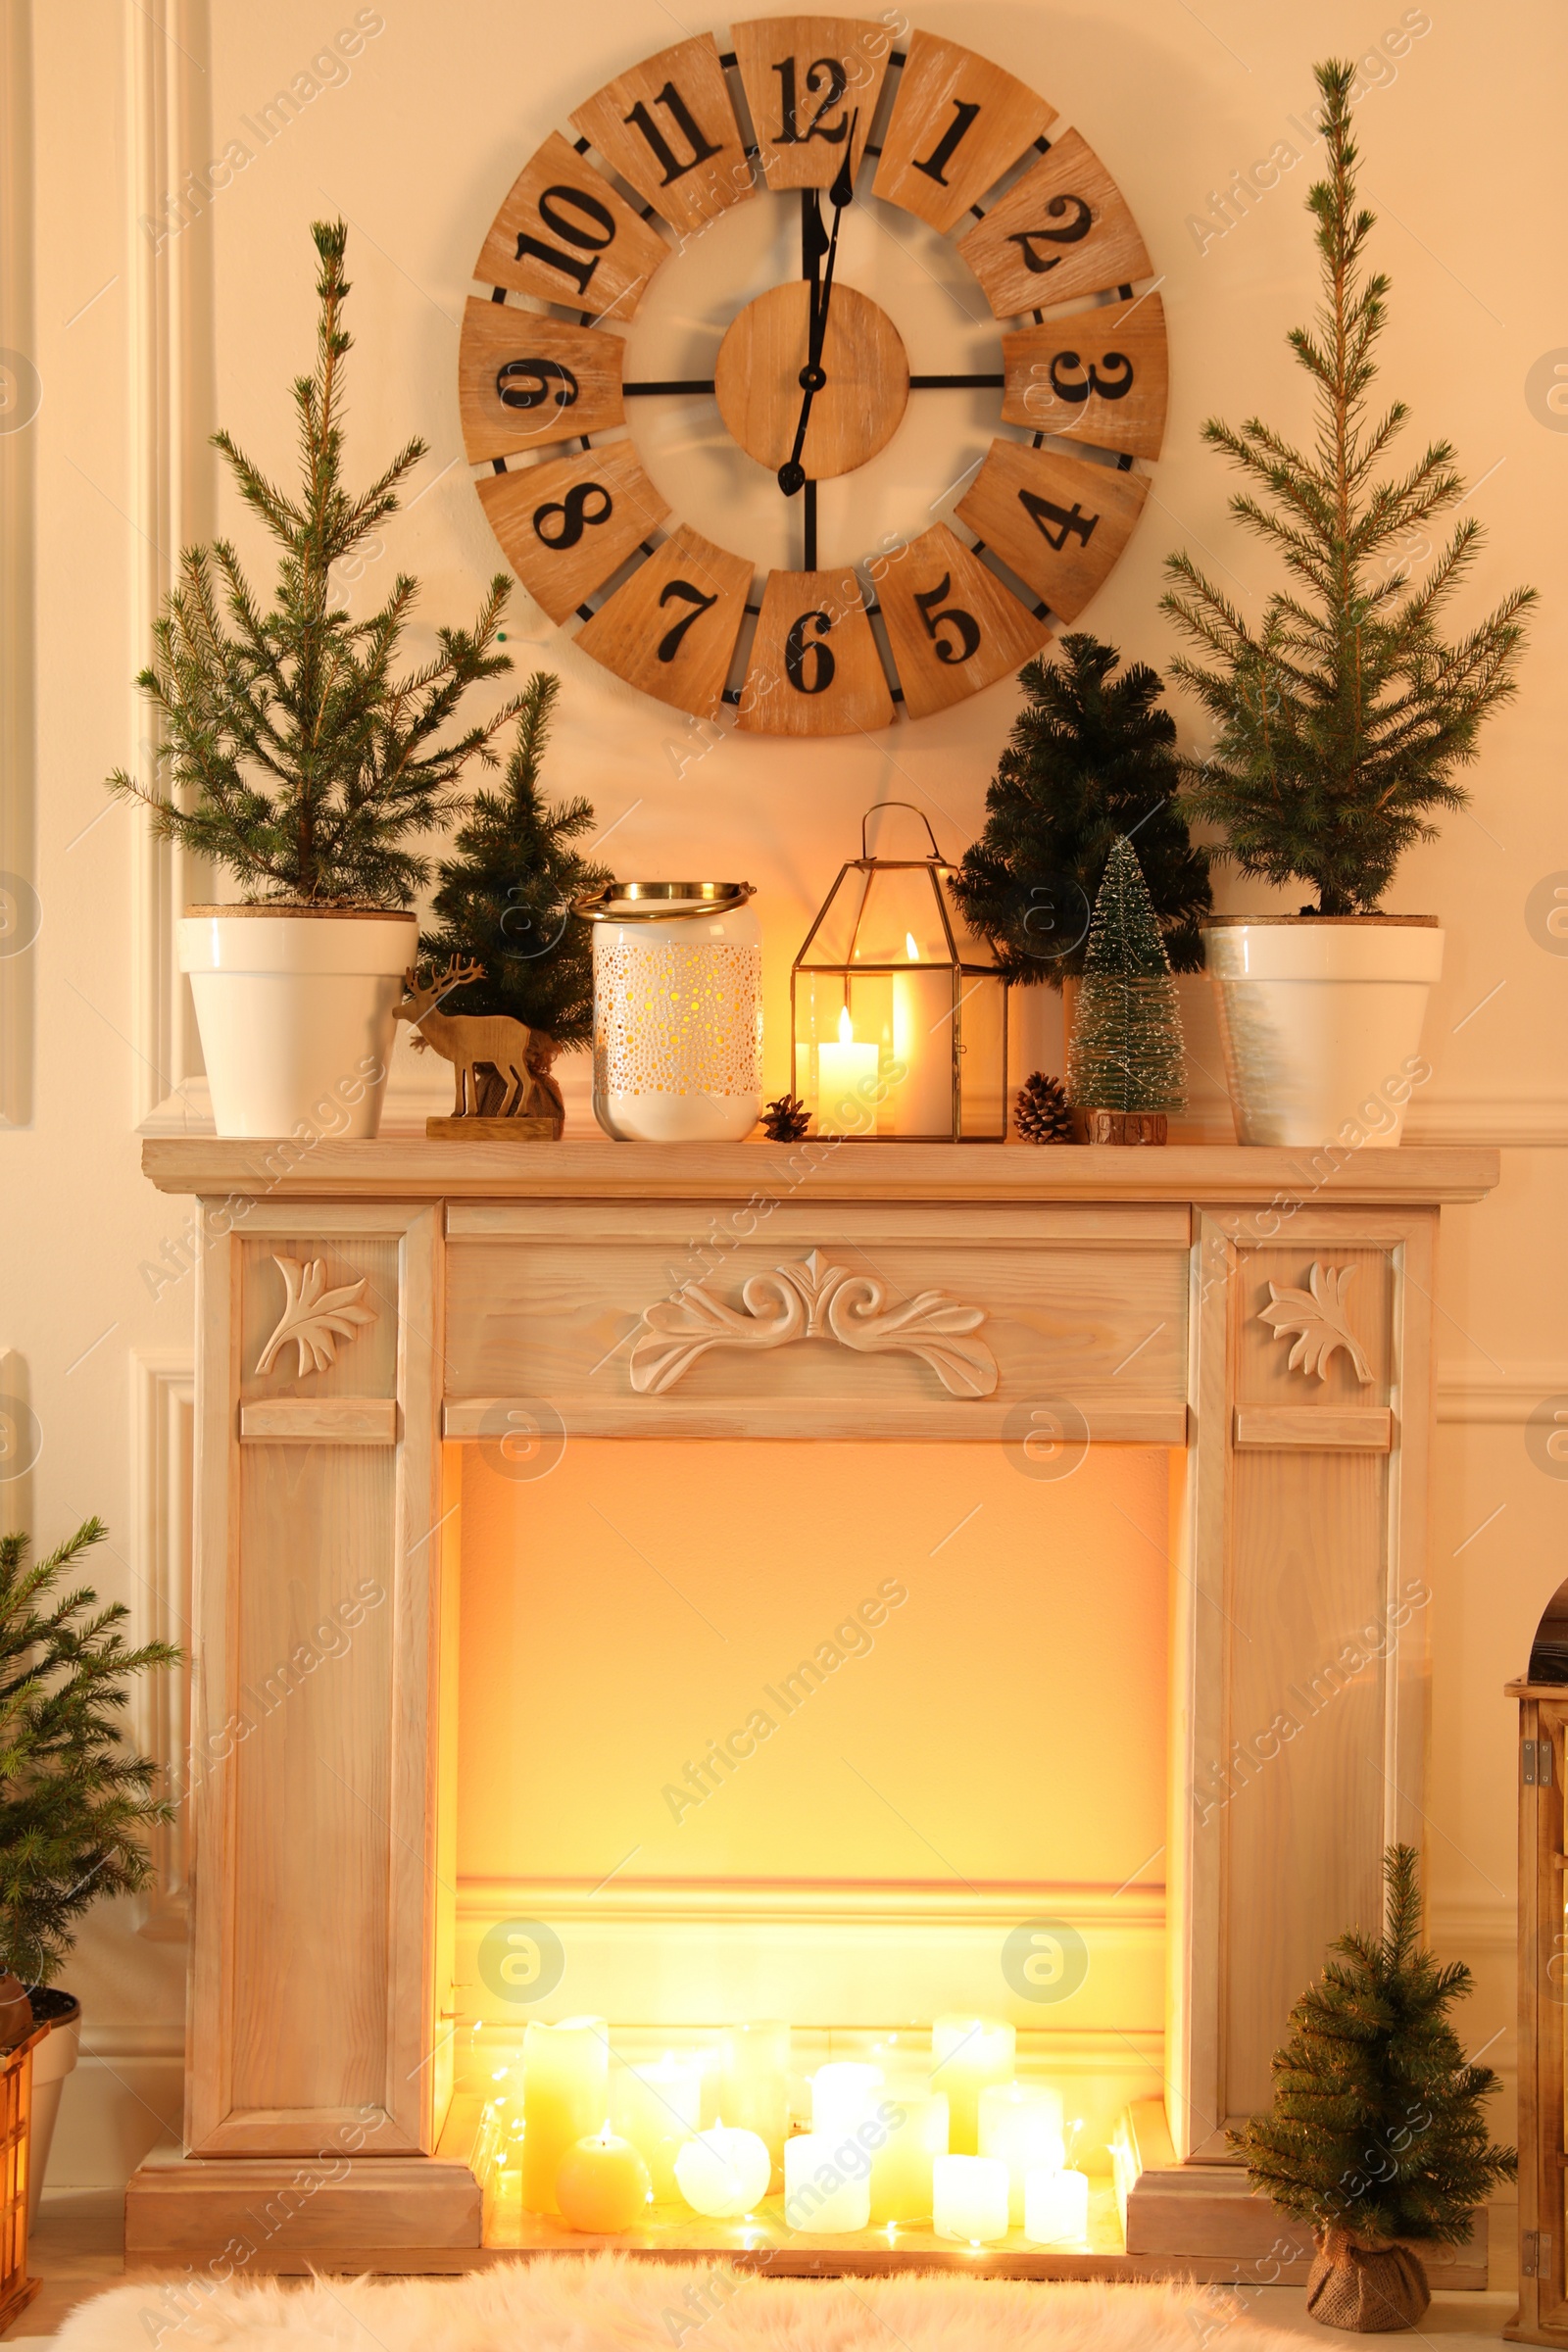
660 902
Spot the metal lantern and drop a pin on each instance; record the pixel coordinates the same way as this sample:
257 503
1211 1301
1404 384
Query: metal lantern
899 1014
1542 1696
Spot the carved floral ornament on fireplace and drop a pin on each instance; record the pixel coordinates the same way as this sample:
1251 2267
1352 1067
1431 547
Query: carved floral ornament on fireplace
362 1329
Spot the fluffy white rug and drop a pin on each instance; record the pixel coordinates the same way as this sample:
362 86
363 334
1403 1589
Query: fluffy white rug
610 2303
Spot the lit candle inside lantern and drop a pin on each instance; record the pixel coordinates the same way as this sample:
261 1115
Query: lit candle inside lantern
1055 2207
658 2108
917 2126
566 2093
601 2185
969 2198
822 2192
844 2097
968 2054
922 1041
723 2173
846 1082
754 2083
1022 2123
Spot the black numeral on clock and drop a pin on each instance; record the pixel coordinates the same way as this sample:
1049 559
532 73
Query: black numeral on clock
824 69
942 154
556 208
1026 239
575 514
949 649
1115 384
1055 522
526 384
815 656
669 643
676 106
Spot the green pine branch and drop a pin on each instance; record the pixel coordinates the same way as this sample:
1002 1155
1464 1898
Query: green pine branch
1377 2126
506 893
75 1805
1091 758
290 751
1126 1052
1341 720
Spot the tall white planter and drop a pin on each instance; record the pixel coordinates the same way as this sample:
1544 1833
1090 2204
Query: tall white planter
295 1008
1320 1017
677 1011
54 2059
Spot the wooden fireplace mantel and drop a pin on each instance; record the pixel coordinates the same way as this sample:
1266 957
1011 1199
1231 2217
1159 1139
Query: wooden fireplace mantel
1182 1297
403 1168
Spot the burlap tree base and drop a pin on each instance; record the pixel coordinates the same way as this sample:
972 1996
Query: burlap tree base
1369 2291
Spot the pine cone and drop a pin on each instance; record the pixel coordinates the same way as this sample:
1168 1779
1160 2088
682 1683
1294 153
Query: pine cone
1041 1110
785 1119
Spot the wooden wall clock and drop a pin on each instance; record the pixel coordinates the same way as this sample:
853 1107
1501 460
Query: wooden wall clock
811 379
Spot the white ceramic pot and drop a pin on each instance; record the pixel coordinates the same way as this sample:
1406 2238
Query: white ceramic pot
677 1011
295 1008
52 2061
1320 1017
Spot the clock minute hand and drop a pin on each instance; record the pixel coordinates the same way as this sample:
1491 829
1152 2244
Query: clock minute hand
792 474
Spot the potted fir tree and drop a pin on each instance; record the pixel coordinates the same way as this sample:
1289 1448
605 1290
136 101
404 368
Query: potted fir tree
1377 2136
294 757
1091 760
73 1802
1340 718
503 901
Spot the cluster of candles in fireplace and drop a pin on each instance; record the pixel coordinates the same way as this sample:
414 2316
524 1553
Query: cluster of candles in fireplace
959 2146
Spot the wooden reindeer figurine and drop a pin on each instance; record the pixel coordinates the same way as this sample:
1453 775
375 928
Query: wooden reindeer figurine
519 1056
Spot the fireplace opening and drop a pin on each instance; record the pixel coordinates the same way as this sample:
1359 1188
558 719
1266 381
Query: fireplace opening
852 1736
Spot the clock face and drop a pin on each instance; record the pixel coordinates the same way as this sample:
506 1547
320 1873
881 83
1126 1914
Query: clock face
817 402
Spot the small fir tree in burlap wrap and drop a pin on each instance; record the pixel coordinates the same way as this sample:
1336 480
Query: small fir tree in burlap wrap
1126 1050
1376 2134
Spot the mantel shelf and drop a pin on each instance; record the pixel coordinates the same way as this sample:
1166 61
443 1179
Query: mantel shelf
407 1168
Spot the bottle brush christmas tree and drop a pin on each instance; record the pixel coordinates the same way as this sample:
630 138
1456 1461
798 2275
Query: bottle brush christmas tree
506 894
1126 1052
1341 717
1377 2131
1092 758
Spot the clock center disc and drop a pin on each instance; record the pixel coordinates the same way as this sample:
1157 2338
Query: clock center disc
757 380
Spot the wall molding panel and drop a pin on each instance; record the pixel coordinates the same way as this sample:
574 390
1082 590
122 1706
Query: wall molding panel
163 1436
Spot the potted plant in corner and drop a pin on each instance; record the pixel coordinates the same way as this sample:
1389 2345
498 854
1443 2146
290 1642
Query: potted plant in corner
292 756
1378 2136
74 1802
1340 718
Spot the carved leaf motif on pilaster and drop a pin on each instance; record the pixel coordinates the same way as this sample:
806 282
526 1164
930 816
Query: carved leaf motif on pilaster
1316 1318
313 1317
813 1300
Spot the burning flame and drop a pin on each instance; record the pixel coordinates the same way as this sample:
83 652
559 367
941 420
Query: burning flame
909 947
846 1027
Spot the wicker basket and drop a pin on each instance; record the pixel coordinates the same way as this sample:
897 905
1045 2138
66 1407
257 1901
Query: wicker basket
17 2289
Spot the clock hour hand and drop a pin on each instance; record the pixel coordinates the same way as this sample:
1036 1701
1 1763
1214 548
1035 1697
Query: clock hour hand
792 474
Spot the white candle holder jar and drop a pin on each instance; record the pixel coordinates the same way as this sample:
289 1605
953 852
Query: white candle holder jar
677 1011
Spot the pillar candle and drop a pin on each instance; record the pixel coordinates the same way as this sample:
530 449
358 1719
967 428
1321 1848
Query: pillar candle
1055 2207
1022 2123
754 2083
601 2185
921 1102
844 2095
846 1077
658 2107
565 2097
723 2173
820 2195
969 2198
916 2125
968 2054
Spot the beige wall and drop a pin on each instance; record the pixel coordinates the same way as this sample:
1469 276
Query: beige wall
137 353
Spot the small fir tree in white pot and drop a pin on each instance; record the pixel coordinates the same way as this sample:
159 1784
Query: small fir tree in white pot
1340 719
294 755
